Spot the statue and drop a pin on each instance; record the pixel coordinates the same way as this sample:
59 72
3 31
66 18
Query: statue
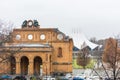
36 24
24 24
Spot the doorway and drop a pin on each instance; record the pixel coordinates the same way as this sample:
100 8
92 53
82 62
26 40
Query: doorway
24 65
37 65
13 65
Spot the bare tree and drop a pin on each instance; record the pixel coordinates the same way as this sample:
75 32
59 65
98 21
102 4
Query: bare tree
93 39
5 31
111 57
6 53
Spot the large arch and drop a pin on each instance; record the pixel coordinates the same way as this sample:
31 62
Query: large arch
12 65
24 65
37 65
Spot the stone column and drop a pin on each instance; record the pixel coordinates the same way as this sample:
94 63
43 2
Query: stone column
18 67
46 68
30 67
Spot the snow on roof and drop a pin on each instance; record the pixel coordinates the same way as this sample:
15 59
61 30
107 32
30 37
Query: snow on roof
29 45
80 41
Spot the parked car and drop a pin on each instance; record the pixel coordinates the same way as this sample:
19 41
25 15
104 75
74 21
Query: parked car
78 78
6 77
48 78
20 78
94 77
68 76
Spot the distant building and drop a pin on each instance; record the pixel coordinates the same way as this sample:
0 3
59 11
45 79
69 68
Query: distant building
37 51
76 52
81 42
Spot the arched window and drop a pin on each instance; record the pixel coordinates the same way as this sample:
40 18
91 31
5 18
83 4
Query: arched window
60 52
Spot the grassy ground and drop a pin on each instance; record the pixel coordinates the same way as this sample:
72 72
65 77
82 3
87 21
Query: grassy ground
90 65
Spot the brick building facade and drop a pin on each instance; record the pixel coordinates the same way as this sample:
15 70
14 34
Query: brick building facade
36 50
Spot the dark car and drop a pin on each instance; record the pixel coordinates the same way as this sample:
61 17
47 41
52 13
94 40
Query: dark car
77 78
20 78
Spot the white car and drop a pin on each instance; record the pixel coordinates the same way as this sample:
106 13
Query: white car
88 78
48 78
80 76
94 77
68 76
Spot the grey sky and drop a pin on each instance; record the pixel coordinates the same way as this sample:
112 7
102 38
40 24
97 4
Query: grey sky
95 18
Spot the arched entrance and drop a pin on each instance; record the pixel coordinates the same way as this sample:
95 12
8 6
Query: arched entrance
13 65
24 65
37 65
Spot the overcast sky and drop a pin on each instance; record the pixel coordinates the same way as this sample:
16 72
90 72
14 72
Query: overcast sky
95 18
